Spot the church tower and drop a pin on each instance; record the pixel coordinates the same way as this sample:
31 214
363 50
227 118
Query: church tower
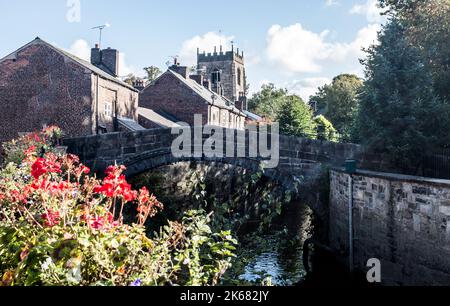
225 72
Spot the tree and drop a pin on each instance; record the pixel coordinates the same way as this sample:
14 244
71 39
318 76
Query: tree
338 102
152 73
130 79
295 118
400 112
325 129
427 28
267 101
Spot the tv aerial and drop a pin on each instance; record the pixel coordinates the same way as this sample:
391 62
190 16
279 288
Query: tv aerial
101 28
174 60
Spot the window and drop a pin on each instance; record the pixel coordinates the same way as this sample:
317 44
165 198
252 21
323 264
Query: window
108 109
215 76
239 76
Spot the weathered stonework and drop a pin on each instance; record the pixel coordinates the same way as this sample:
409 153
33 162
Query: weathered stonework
232 68
179 100
402 220
42 85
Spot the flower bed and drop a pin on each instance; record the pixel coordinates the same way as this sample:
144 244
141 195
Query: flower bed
59 225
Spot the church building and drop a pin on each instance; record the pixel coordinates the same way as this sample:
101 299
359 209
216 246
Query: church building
216 91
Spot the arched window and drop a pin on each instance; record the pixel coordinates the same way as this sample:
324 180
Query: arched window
215 76
239 76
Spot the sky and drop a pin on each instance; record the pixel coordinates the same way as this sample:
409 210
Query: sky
295 44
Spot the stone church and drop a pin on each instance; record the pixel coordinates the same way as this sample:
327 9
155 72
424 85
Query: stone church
216 91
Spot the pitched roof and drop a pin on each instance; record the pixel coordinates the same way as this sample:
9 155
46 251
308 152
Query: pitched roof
207 94
252 116
156 118
72 57
203 92
130 124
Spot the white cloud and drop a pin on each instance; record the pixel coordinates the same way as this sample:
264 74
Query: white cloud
299 50
126 69
81 49
370 9
332 3
296 48
251 60
206 42
307 87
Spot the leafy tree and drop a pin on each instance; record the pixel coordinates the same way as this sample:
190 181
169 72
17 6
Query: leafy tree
130 79
325 129
268 101
152 73
400 112
338 102
427 27
295 118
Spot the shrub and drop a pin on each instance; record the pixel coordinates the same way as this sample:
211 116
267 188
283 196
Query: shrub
325 129
61 226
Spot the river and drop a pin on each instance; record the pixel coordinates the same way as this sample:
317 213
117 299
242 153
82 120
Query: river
275 257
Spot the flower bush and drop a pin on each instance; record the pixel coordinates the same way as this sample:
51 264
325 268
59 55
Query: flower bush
61 226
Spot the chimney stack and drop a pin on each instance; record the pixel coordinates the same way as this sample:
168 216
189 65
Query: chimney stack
198 78
139 84
107 60
207 84
241 104
181 70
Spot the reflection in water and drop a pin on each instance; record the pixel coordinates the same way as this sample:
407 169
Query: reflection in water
276 255
282 264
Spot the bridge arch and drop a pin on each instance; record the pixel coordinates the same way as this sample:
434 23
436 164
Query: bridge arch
300 166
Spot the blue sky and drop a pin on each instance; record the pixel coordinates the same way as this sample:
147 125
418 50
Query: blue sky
297 44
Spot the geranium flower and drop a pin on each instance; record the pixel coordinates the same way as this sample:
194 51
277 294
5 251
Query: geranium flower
43 166
51 218
116 185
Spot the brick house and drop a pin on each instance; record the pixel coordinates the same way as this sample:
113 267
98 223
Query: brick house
41 84
176 97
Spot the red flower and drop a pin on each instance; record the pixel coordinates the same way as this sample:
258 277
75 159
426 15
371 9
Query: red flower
147 205
51 218
103 222
43 166
106 189
115 185
84 169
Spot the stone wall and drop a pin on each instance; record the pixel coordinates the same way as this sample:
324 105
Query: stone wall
40 86
402 220
228 63
168 95
122 100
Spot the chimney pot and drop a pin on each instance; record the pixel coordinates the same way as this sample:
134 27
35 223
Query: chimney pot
198 78
181 70
107 60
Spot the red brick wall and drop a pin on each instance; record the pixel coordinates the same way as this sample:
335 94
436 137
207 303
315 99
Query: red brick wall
170 95
41 87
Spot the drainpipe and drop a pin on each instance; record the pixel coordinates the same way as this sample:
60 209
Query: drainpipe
350 167
350 222
96 108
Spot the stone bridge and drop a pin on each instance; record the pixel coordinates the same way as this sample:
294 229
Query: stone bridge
300 159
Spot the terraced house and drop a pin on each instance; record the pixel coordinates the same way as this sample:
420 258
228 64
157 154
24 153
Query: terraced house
41 84
216 91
